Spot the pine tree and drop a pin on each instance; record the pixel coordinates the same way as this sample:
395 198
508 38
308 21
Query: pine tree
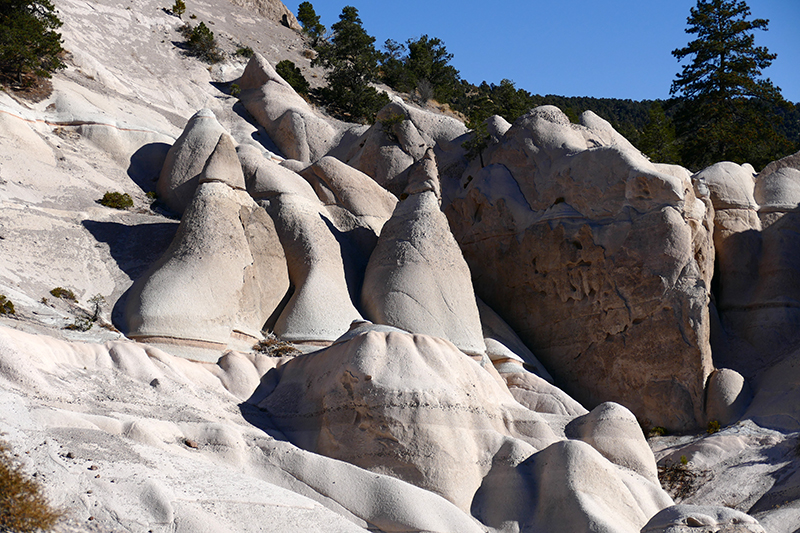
309 19
658 137
29 46
352 61
726 112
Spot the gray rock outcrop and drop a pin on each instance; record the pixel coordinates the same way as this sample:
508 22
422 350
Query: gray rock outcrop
416 278
223 275
618 260
701 519
186 160
290 122
324 276
399 138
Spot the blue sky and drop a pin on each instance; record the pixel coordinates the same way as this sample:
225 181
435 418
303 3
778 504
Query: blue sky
600 48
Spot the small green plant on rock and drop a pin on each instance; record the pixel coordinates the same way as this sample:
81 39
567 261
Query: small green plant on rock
235 90
23 507
116 200
388 124
201 43
85 320
179 8
244 51
713 427
6 306
64 294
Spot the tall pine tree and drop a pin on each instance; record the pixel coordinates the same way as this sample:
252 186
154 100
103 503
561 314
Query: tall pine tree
352 62
726 111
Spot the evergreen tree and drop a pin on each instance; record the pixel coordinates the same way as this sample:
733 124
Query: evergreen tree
288 71
309 19
29 45
352 60
725 111
658 137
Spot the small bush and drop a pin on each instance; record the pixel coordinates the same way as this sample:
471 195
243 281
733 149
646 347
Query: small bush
179 8
388 124
288 71
235 90
201 43
6 306
116 200
273 347
713 427
244 51
678 479
64 294
23 507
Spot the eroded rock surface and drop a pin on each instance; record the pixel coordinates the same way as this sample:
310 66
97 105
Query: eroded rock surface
600 263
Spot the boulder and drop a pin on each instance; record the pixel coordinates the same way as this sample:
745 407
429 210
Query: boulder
613 431
221 278
416 278
411 406
186 159
701 519
293 126
537 394
728 396
567 487
619 258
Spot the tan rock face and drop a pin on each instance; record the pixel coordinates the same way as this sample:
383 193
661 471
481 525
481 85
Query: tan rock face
599 261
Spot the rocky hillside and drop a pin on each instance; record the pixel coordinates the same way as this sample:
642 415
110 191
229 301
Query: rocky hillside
303 324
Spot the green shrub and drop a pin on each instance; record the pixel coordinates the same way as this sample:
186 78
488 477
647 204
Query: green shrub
116 200
65 294
235 90
6 306
288 71
244 51
179 8
23 507
201 43
713 427
388 124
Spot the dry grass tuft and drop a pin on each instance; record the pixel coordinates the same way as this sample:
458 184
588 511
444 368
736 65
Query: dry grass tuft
23 507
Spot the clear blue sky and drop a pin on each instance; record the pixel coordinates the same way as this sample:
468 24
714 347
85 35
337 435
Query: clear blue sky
600 48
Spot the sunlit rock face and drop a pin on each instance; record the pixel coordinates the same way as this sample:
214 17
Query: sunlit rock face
599 260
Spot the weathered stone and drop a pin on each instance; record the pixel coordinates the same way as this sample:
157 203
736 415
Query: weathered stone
399 138
701 519
613 296
408 405
728 396
290 122
186 159
417 279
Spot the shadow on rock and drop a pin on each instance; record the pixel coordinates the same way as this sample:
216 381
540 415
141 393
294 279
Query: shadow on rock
146 165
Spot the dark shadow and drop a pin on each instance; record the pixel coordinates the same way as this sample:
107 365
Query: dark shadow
258 417
260 135
146 163
356 247
134 248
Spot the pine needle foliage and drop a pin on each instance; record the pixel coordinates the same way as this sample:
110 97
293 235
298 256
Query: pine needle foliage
30 48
